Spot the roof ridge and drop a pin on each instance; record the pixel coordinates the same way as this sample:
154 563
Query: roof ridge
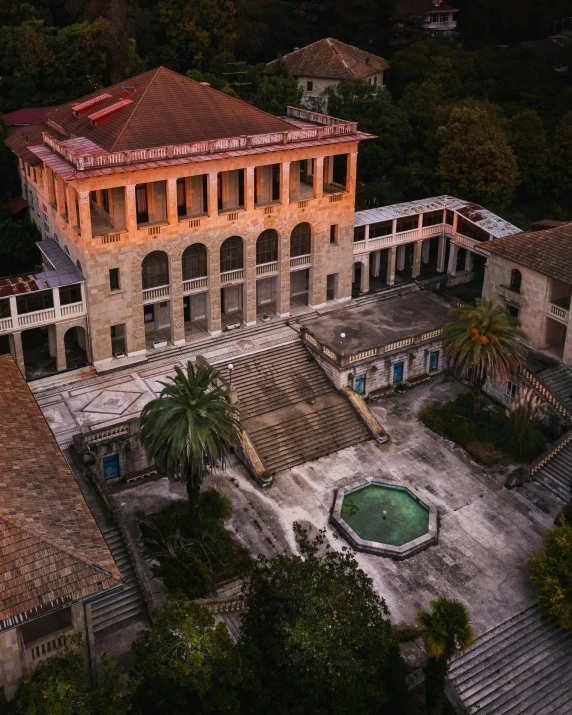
45 539
339 54
136 107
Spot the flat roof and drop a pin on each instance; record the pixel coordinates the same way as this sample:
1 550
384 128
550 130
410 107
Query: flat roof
481 217
381 322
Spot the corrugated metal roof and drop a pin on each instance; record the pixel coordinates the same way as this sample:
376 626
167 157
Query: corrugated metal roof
481 217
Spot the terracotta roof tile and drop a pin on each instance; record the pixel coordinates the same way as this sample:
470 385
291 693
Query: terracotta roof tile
166 108
548 252
50 545
330 58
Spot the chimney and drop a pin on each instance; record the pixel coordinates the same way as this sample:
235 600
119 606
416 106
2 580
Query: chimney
205 84
127 91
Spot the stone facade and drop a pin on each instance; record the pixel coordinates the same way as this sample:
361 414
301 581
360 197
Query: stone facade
314 87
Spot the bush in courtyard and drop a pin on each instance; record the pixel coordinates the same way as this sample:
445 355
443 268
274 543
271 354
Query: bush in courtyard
521 435
552 572
316 638
194 565
187 663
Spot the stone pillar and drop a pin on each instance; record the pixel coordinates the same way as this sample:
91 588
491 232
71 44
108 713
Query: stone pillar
60 196
177 314
416 268
283 296
135 328
364 282
317 291
468 260
285 183
52 341
72 213
351 173
425 250
130 208
441 253
452 267
61 363
84 215
391 257
172 213
249 188
249 295
400 257
318 178
376 257
17 350
212 198
213 306
12 668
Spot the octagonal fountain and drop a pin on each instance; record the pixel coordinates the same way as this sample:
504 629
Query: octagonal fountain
384 519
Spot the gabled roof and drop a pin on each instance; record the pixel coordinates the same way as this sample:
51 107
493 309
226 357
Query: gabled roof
332 59
422 7
548 252
164 108
51 550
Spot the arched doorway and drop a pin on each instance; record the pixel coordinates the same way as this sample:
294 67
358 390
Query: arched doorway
267 280
232 296
300 249
155 270
156 310
75 342
195 266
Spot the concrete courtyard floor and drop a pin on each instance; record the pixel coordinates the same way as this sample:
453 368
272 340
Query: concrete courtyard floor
487 533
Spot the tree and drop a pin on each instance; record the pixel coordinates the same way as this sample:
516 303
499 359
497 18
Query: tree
475 158
446 630
316 638
60 686
552 572
563 153
483 343
527 138
278 90
185 663
189 429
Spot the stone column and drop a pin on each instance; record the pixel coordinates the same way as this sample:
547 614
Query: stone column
318 178
17 350
60 193
452 267
135 328
61 363
376 258
72 213
212 196
391 257
317 289
249 295
285 183
351 173
84 215
177 314
130 208
172 213
468 260
213 306
283 296
400 257
441 253
364 282
416 268
425 251
249 188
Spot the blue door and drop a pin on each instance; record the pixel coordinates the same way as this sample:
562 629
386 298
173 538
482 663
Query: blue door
359 384
434 360
111 466
398 372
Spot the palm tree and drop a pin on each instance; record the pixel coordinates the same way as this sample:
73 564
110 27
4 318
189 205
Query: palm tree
484 342
446 630
189 429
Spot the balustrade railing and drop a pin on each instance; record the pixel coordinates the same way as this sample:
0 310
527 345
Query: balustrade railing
265 268
5 324
232 276
39 316
41 649
300 261
541 388
72 309
195 284
560 313
156 293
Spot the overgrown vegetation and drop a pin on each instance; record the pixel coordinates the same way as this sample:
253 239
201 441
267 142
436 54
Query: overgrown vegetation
552 572
489 437
189 564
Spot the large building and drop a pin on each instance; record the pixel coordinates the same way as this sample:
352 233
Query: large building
438 16
53 559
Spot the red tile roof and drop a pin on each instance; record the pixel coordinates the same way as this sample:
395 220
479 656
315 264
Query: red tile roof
31 115
51 549
166 108
332 59
548 252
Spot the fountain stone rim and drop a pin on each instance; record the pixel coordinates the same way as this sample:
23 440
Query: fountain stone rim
410 548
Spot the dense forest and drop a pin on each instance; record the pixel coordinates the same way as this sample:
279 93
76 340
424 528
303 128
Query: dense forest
479 116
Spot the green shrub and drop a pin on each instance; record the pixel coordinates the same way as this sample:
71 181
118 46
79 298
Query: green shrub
552 572
194 566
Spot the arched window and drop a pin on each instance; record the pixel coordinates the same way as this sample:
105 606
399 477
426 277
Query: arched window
231 254
195 261
515 280
301 240
78 264
155 270
267 247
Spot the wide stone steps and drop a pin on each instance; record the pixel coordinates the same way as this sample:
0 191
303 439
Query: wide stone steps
290 409
524 665
556 473
558 379
123 605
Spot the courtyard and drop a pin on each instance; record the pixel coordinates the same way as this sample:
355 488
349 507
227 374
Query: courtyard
487 533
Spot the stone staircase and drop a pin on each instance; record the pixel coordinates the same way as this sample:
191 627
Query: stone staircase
122 605
523 665
558 379
290 409
554 471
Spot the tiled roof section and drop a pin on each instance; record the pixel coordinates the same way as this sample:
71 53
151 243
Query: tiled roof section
481 217
166 108
22 117
19 139
548 252
50 546
422 7
332 59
